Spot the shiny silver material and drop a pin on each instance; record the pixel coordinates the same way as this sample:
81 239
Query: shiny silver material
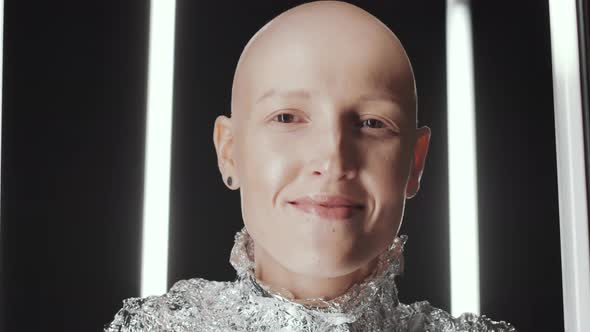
248 305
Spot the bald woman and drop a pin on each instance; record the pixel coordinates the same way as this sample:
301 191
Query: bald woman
323 145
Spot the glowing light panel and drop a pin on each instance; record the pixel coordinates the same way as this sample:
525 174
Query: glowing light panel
154 262
569 139
463 219
1 83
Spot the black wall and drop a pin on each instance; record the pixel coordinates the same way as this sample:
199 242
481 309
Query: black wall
72 161
519 214
73 140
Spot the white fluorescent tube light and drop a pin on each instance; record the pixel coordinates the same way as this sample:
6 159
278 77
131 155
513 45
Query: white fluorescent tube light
1 85
463 218
154 260
569 141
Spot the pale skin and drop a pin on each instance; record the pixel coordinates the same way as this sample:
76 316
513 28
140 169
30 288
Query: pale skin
323 103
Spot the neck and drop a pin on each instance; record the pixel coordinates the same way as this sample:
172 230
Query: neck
296 286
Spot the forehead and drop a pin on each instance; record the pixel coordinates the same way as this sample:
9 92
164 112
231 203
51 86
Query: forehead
340 60
334 71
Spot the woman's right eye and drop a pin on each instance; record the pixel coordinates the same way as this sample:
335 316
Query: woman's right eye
284 117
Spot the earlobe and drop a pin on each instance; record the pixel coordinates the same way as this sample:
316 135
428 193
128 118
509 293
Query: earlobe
412 186
230 183
223 139
414 181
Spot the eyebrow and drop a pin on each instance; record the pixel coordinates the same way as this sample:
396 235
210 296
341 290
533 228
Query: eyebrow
298 93
305 94
380 96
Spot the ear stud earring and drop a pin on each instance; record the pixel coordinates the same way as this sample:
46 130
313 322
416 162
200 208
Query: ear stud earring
229 181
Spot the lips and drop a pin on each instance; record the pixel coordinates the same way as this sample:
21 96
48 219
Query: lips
335 207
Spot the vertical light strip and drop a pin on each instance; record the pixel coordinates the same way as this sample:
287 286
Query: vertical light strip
569 139
1 86
154 261
464 251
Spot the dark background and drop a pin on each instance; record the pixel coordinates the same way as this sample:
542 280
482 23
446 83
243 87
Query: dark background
73 149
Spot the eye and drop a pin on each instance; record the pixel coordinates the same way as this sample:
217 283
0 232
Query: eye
285 118
372 123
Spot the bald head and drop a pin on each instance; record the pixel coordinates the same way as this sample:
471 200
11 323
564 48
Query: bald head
335 40
323 103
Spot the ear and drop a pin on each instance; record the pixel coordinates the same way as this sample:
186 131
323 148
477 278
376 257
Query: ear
223 139
418 161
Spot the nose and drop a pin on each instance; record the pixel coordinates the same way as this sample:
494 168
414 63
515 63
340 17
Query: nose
335 155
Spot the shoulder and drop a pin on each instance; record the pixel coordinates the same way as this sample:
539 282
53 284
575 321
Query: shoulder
422 316
181 304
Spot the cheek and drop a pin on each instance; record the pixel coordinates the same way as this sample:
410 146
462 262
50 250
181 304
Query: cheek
386 179
266 166
388 167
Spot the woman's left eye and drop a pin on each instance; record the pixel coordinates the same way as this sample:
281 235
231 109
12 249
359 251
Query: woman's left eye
372 123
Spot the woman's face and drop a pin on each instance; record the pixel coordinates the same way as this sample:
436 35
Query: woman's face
323 149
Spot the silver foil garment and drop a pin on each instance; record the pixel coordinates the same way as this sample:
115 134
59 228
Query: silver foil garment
248 305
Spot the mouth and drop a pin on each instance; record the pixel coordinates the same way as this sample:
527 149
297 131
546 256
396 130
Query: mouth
332 207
